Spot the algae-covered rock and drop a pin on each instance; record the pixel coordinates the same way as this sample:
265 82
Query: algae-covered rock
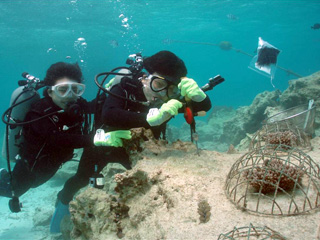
109 172
92 216
141 193
300 91
248 119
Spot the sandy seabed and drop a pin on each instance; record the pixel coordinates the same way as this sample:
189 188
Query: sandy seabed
203 177
189 178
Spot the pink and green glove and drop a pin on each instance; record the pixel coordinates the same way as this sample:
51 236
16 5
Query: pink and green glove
157 116
112 139
190 89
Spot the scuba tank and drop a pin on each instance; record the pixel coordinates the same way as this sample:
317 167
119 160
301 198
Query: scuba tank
20 103
134 72
117 79
13 117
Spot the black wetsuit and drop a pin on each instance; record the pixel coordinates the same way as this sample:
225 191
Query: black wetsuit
48 143
117 114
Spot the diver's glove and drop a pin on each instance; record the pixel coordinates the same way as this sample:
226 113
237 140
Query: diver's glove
157 116
112 139
109 84
190 89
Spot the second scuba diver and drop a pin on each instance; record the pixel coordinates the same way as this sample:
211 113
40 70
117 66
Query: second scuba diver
49 142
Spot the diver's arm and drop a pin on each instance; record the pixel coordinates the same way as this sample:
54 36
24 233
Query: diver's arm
70 140
190 91
204 105
115 115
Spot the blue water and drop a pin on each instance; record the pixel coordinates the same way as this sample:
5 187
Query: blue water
37 33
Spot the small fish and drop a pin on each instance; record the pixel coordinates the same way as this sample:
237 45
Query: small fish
232 17
114 43
167 41
68 57
316 26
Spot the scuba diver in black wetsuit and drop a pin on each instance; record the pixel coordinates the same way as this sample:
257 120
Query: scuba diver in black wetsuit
55 126
50 141
164 82
138 100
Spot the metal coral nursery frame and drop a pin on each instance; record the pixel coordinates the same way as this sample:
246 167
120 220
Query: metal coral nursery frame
251 232
293 127
281 133
250 174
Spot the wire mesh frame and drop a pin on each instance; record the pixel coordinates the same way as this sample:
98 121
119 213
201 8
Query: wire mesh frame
281 133
301 116
252 232
303 197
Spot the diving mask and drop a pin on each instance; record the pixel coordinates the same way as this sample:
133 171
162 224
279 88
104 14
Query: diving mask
163 87
64 89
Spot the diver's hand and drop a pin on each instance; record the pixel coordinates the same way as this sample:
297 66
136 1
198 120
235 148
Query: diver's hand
109 84
113 139
157 116
190 89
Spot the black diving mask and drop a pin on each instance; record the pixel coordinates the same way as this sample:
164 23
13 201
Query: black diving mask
163 87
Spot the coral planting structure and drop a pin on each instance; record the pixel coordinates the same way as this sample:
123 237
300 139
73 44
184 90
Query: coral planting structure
293 127
284 181
281 133
301 116
251 233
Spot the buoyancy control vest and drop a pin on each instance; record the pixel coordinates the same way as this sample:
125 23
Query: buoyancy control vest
57 122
